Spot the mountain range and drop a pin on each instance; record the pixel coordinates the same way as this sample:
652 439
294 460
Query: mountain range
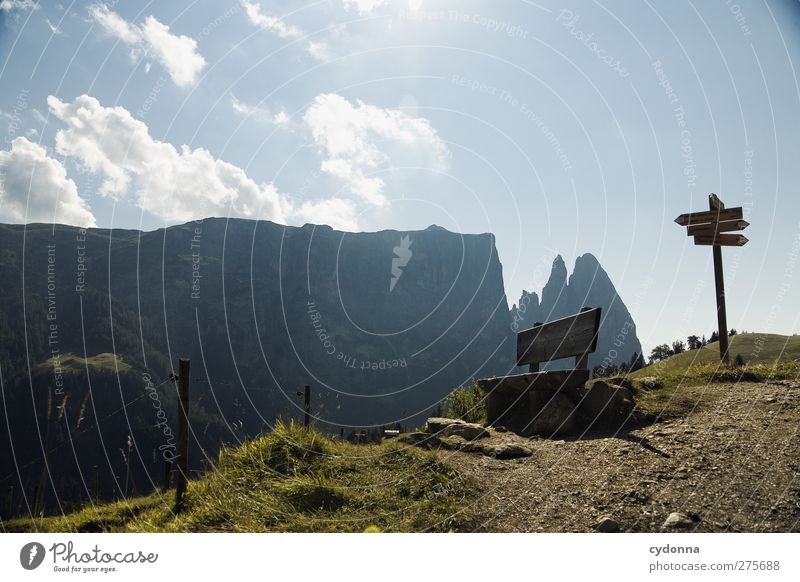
380 325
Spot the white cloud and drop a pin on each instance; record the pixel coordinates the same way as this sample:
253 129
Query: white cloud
319 51
9 5
259 113
34 188
359 139
336 212
363 6
173 184
176 53
271 23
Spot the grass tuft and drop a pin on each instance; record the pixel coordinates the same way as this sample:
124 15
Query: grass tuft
295 479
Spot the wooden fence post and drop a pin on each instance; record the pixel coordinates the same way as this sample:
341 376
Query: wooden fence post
183 433
307 407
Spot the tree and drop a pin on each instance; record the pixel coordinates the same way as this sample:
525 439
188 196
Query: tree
703 340
661 352
732 332
678 347
637 362
694 342
714 337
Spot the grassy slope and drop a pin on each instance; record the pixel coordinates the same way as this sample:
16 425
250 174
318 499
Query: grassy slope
767 356
72 363
294 480
753 347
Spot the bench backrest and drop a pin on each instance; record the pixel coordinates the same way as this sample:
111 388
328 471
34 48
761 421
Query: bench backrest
575 335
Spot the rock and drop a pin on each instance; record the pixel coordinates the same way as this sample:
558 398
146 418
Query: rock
557 415
605 406
467 430
437 424
445 427
506 450
501 429
650 382
606 525
677 520
621 381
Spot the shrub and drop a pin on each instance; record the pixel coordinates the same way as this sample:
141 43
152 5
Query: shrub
467 403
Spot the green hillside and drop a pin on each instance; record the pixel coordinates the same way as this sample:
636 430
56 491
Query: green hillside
70 362
755 348
293 479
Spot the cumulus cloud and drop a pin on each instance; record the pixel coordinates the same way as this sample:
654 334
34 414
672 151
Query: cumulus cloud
267 22
363 6
9 5
357 139
34 188
173 184
176 53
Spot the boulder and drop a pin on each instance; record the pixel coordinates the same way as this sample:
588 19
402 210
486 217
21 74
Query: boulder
445 427
677 520
437 424
605 406
552 415
506 450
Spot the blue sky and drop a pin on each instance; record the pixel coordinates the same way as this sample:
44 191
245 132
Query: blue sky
561 128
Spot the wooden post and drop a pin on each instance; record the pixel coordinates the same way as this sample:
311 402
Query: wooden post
715 203
582 361
167 474
183 433
307 407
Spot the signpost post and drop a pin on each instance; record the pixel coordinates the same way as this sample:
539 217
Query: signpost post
706 228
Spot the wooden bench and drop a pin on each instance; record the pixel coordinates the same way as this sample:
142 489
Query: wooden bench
545 402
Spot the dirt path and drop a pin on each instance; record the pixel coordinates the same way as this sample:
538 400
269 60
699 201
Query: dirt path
732 464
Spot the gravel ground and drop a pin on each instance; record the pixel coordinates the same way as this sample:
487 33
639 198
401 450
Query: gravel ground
732 464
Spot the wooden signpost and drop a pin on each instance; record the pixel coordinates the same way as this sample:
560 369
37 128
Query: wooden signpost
706 228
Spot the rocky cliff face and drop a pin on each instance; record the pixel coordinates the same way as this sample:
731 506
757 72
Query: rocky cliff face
381 325
589 286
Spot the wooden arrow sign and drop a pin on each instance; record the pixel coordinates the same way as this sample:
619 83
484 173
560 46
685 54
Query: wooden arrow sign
715 227
721 240
693 218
